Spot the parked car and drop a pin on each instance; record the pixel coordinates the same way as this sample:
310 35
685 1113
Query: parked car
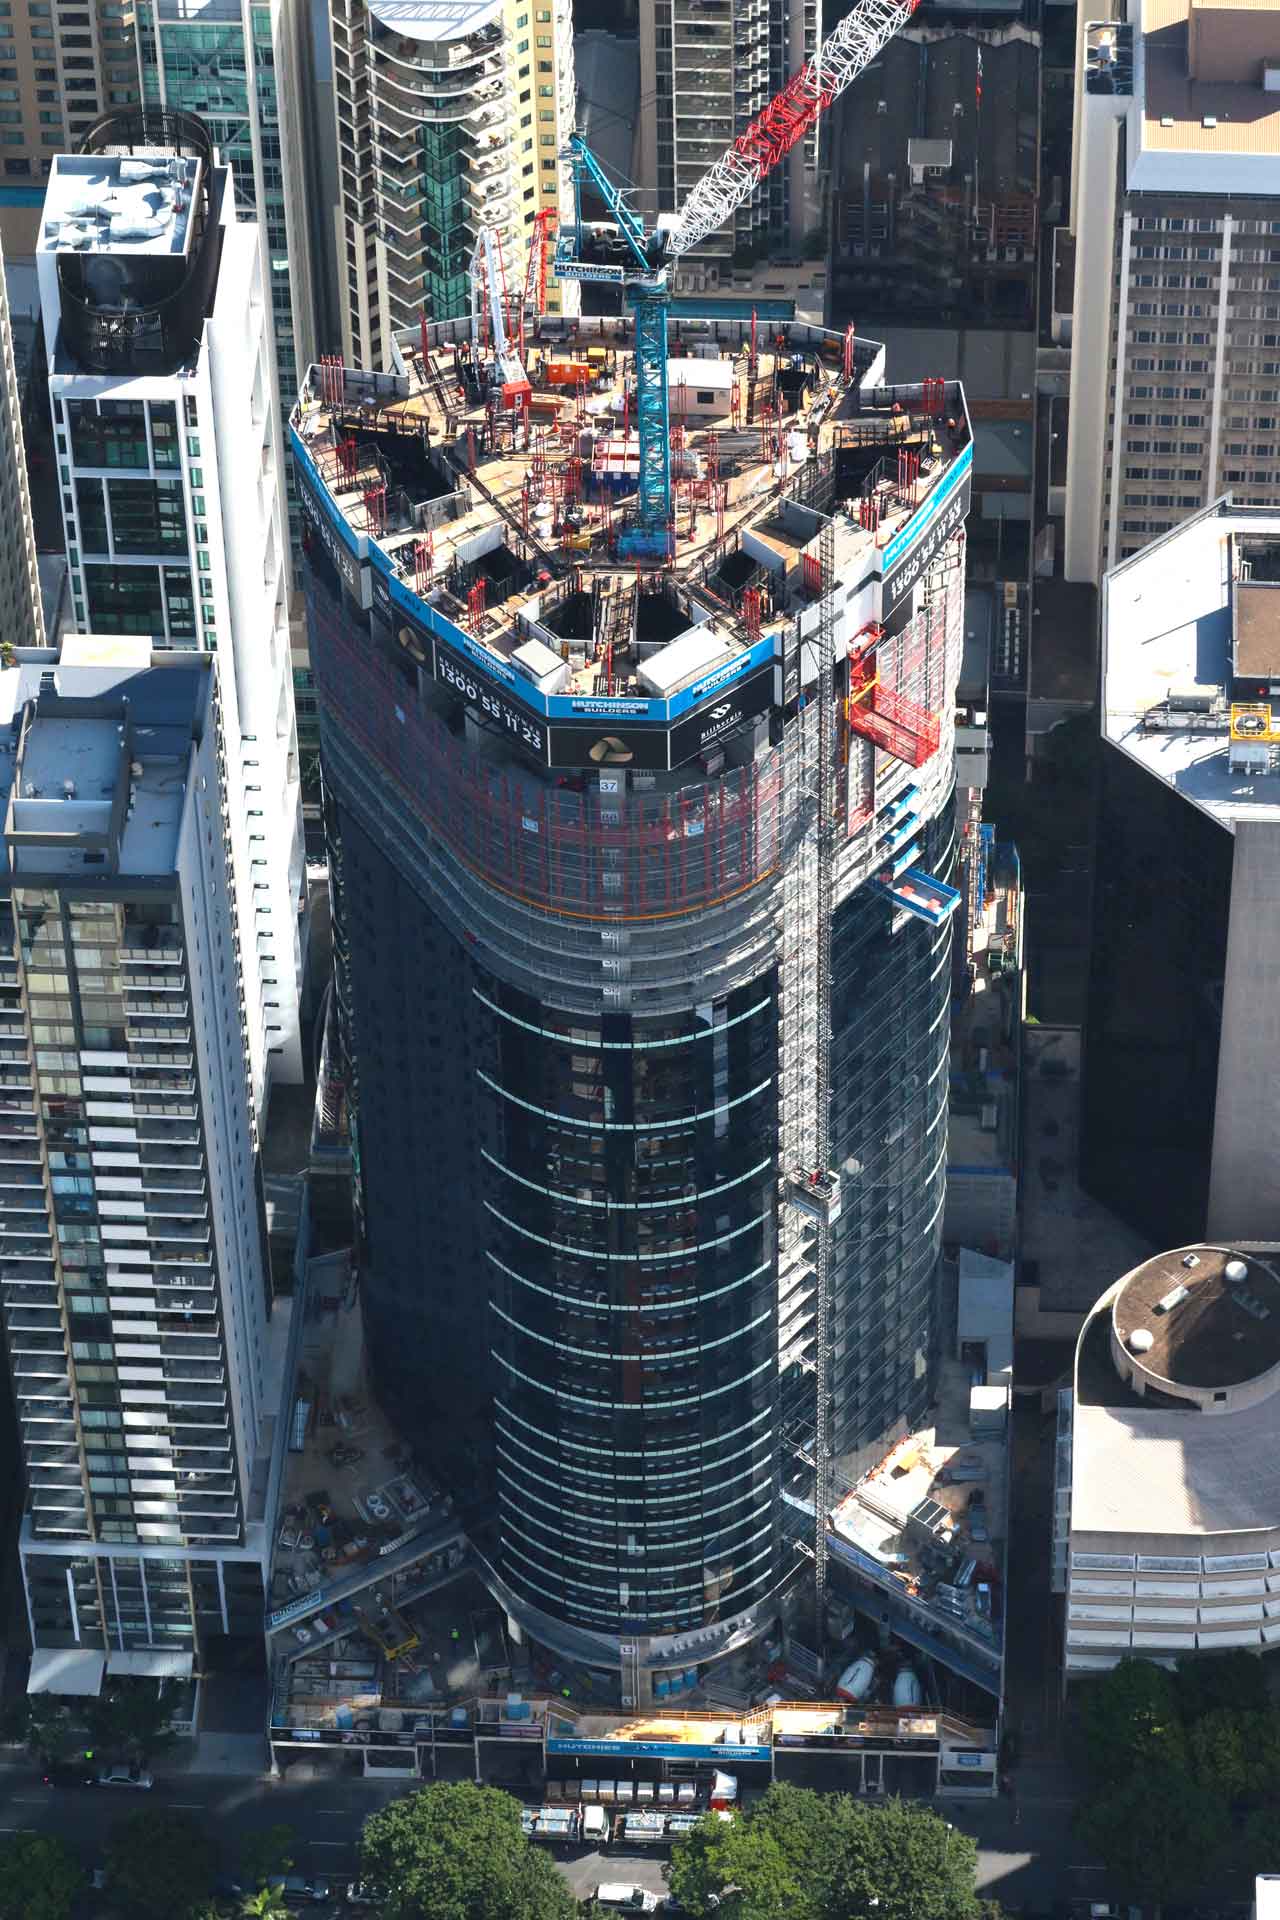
301 1890
123 1776
63 1773
626 1898
302 1635
363 1893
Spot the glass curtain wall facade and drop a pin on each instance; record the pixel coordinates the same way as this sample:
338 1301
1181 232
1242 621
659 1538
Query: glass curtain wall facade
891 1031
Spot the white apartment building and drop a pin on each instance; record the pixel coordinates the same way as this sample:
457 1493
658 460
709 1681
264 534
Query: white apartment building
21 615
1175 360
450 117
158 329
148 1362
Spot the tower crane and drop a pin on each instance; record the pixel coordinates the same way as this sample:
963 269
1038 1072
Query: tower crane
624 253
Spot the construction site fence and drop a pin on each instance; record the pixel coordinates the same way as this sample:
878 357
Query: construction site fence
558 847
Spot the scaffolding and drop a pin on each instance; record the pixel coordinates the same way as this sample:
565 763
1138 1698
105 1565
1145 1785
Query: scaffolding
810 1190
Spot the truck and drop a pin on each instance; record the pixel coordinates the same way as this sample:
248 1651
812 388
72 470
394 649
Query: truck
566 1826
651 1829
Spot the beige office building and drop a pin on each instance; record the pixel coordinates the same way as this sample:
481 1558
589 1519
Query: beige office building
451 116
1175 363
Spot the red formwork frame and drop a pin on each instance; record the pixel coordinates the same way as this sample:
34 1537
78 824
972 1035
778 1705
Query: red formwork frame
548 847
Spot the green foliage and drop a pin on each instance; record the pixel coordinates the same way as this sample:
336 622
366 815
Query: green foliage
266 1904
161 1865
904 1862
264 1852
799 1855
1258 1846
131 1716
456 1852
39 1878
1130 1720
1158 1832
1209 1681
43 1724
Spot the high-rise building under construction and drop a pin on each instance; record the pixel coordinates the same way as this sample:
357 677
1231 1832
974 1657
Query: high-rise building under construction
614 854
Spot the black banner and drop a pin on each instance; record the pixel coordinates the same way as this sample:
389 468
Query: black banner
899 581
654 749
708 725
322 530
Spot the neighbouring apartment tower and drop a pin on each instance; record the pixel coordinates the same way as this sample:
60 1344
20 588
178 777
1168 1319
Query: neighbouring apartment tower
707 68
158 329
1179 1126
577 921
21 613
148 1364
1175 355
243 70
449 119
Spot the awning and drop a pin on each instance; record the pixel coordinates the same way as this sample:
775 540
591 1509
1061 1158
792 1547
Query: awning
152 1663
66 1670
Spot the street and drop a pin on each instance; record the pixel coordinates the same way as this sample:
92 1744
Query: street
1025 1864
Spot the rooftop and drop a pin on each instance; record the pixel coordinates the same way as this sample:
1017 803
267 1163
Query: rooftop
436 19
1200 97
511 536
1167 679
94 760
930 1520
1212 1314
136 203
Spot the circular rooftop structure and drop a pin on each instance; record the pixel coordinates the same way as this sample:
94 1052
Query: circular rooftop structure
1201 1324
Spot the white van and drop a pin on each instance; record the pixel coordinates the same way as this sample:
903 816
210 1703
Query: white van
626 1899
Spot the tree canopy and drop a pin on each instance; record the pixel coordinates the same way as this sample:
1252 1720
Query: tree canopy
1184 1770
1130 1719
1159 1831
131 1716
457 1852
162 1863
266 1851
798 1855
39 1878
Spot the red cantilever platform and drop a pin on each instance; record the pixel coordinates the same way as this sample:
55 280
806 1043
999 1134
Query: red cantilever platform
898 725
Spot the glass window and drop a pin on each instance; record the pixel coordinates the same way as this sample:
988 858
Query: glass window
113 435
93 515
147 516
125 600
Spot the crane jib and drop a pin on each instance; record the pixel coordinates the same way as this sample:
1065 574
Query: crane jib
846 52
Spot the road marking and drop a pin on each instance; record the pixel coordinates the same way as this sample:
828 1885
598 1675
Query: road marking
188 1806
333 1843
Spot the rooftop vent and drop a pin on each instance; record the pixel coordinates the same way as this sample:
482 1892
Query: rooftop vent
1191 1259
1174 1298
1141 1340
1210 120
1236 1272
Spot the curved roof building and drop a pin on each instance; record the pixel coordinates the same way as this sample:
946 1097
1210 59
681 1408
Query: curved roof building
1173 1539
